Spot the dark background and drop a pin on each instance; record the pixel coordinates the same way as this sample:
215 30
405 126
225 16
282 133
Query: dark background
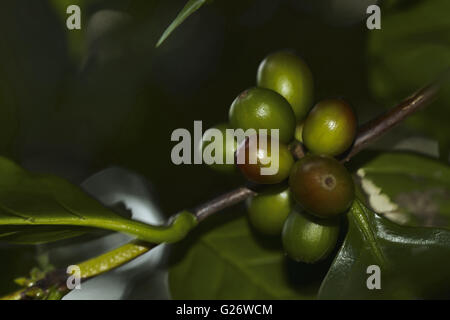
85 100
75 102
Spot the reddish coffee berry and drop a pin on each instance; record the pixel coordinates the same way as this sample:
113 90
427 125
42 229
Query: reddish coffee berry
259 163
321 185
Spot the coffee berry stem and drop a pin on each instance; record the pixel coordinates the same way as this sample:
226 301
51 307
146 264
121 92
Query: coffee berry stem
367 133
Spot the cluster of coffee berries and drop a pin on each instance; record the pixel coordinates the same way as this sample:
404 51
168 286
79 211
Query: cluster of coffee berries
307 196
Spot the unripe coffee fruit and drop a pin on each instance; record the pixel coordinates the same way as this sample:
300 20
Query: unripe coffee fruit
268 210
287 74
309 239
322 186
330 127
259 108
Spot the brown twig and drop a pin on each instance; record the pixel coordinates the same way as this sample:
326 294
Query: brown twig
366 134
55 279
385 122
221 202
375 128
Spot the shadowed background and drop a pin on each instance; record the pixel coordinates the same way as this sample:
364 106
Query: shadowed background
75 102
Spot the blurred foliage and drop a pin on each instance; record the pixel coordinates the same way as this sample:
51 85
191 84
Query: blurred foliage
75 38
411 50
16 261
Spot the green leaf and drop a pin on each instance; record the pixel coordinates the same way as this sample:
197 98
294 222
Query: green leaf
408 188
38 234
190 7
412 49
37 208
414 261
224 260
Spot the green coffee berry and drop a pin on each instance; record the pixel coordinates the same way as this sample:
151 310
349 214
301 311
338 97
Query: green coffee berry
268 210
309 239
259 108
287 74
330 128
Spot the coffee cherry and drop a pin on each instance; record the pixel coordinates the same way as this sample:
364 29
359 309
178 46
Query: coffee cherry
330 127
252 157
321 185
309 239
229 146
260 108
287 74
268 211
